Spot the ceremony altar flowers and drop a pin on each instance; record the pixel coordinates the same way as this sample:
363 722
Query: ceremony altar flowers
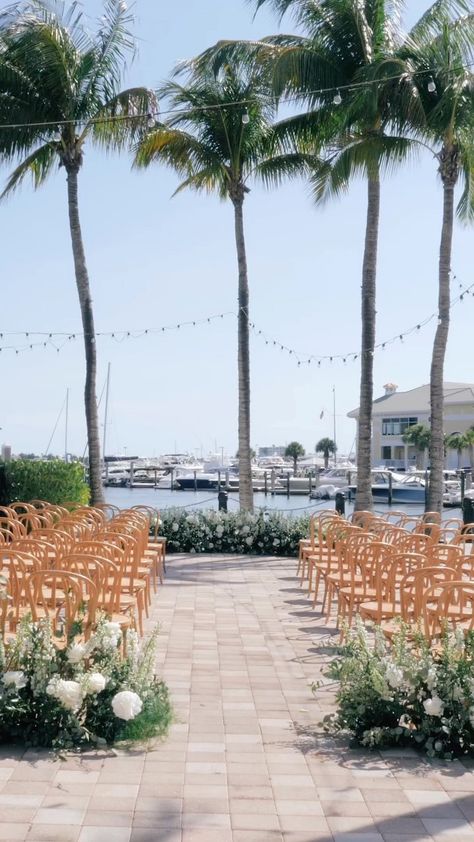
406 692
242 533
85 694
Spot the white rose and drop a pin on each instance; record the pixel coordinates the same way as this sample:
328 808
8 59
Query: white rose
249 541
94 682
276 542
219 532
394 676
76 653
69 693
14 678
175 527
434 706
126 705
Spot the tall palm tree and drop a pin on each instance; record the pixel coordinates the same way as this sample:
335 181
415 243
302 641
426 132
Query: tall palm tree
221 138
436 63
326 446
362 132
418 435
62 87
469 434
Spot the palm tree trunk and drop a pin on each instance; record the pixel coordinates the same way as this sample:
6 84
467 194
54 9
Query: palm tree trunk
448 171
326 460
83 288
245 462
363 500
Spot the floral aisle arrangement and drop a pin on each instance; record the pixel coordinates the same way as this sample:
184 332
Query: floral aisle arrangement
233 532
406 692
87 693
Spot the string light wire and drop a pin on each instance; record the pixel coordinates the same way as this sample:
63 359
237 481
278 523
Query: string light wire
148 116
59 340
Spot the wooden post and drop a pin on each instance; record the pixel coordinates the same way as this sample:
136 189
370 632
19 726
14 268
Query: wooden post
273 481
288 484
156 478
218 481
265 479
463 486
195 481
132 471
390 489
172 479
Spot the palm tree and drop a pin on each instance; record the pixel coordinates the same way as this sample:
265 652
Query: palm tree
469 434
326 446
342 40
294 451
418 435
435 60
457 442
62 86
219 140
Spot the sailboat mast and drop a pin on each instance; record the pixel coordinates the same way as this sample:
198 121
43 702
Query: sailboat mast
66 426
106 464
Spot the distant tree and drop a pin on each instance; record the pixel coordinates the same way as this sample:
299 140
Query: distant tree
294 451
326 446
418 436
457 442
469 434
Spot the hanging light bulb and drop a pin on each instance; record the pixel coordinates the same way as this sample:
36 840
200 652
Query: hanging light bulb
337 98
57 137
246 118
431 86
151 122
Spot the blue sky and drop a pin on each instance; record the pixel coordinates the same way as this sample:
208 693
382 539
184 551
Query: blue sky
154 260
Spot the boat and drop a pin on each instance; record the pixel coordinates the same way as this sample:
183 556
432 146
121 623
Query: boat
404 488
197 482
296 485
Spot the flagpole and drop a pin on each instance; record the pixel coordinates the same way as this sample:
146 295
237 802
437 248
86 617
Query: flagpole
334 417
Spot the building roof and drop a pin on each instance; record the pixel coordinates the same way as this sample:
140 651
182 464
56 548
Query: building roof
418 400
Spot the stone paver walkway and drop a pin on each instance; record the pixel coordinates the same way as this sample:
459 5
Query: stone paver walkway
246 760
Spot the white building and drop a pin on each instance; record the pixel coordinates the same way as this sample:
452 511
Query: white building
395 411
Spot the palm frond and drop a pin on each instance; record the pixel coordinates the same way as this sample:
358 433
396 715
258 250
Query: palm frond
38 165
273 171
129 112
465 208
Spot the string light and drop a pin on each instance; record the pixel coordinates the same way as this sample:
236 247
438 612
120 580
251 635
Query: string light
246 118
319 92
151 122
58 340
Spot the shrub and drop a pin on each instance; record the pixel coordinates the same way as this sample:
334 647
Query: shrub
406 692
52 480
85 694
239 532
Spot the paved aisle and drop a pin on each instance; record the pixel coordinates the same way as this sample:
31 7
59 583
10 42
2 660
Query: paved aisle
239 648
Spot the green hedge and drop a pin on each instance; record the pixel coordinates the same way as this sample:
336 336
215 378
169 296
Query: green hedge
239 532
51 480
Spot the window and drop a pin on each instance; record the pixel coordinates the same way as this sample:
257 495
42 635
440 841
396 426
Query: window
386 453
397 426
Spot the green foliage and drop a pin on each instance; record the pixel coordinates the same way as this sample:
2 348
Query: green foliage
65 699
295 450
406 693
54 481
326 446
241 533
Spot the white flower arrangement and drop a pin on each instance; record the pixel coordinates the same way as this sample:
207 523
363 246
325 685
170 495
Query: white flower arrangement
86 692
127 705
406 691
268 533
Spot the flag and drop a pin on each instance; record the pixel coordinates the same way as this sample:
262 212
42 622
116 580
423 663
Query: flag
322 415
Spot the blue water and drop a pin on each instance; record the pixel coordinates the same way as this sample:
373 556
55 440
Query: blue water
163 499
